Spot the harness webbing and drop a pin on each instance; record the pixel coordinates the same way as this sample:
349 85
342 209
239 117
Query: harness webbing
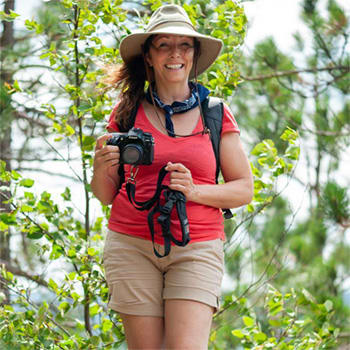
172 198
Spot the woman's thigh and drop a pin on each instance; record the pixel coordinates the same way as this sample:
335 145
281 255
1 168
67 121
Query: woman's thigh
187 324
143 332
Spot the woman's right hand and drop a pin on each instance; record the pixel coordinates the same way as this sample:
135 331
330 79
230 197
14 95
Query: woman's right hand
106 160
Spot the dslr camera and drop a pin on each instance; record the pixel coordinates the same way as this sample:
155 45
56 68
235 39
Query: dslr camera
136 146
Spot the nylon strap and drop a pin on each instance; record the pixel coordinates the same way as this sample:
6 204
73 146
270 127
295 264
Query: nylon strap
172 198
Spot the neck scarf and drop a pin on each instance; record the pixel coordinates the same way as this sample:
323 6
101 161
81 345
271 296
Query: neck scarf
178 107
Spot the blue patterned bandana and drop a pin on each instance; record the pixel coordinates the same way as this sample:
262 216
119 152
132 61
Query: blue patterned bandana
178 107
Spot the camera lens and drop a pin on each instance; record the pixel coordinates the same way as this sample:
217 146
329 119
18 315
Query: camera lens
132 154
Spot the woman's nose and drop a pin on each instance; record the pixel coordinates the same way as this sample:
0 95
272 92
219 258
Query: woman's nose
175 49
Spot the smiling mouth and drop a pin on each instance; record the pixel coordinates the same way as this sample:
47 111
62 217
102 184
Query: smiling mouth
174 66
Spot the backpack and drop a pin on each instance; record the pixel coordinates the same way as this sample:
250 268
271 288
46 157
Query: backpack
213 112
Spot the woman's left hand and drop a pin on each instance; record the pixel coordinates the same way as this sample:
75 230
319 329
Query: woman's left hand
181 180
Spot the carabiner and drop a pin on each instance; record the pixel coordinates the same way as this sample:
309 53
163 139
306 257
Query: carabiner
133 172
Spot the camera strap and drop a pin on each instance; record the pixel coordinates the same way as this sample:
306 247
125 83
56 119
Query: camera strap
172 198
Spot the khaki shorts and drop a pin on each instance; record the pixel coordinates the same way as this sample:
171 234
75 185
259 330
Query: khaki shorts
139 282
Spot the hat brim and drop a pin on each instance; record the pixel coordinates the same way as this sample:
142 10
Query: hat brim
131 46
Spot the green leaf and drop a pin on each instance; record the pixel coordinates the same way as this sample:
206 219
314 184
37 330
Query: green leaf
308 296
69 130
8 218
94 309
66 195
64 307
106 325
95 340
26 208
275 323
260 337
33 25
53 285
92 251
248 321
26 183
328 305
88 140
35 232
8 17
289 135
42 312
56 252
3 226
7 275
16 86
15 175
72 275
238 333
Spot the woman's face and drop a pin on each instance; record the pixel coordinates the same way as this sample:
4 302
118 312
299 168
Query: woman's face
171 57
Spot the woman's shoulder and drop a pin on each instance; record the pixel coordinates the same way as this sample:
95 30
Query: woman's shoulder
229 122
112 126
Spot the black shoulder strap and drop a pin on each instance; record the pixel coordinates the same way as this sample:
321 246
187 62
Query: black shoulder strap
213 112
130 121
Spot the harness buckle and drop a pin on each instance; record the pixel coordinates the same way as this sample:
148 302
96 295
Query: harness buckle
133 172
166 208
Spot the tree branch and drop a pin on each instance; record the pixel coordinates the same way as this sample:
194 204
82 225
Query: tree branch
296 71
325 132
51 173
19 272
25 116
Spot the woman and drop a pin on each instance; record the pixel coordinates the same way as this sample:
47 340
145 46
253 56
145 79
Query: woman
168 302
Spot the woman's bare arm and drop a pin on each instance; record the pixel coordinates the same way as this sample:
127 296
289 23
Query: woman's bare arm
238 187
105 180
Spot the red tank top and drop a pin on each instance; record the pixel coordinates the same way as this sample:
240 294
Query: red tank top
195 153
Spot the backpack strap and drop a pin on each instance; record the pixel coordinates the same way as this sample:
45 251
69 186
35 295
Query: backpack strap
213 113
131 120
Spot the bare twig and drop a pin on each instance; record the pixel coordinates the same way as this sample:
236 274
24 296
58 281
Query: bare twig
345 69
19 272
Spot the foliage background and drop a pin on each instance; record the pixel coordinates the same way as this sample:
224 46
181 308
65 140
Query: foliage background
287 267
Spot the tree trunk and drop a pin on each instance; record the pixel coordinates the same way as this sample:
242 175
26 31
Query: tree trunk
7 42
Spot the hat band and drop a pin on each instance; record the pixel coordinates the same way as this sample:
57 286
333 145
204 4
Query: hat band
171 24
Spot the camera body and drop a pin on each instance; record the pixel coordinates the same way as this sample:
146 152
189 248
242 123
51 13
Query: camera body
136 146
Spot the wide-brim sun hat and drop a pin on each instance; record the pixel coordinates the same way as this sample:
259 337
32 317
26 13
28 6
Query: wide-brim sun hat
172 19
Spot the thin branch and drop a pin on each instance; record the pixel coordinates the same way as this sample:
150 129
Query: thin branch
325 132
346 69
78 82
19 272
37 158
35 66
51 173
67 161
25 116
